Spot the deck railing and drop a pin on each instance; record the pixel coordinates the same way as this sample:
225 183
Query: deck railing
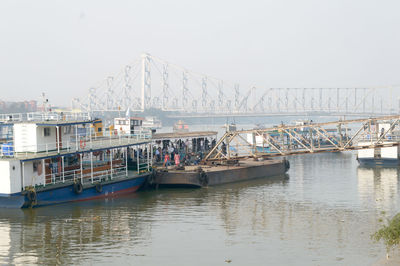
57 116
45 116
11 117
86 177
74 144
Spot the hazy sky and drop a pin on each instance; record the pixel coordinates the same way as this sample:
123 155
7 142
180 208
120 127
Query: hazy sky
65 47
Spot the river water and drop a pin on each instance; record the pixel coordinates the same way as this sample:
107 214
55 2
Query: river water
321 213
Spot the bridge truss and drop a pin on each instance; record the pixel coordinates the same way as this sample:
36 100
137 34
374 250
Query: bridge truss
151 82
286 140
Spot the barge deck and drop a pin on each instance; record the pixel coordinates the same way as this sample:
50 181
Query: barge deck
211 175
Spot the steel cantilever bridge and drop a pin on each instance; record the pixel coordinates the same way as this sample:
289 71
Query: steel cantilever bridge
152 83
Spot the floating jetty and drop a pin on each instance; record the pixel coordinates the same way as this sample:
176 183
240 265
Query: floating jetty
246 154
217 174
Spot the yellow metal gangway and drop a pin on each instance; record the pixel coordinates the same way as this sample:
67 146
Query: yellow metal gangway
307 137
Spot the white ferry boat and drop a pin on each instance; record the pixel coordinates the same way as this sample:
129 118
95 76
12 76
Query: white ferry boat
57 160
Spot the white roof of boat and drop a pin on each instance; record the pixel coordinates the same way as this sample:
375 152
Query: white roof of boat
59 123
182 135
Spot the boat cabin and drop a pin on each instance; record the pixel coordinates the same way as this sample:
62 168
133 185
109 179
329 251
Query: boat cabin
128 125
43 136
181 126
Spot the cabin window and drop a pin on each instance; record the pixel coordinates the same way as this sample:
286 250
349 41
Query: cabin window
99 129
46 131
67 130
35 166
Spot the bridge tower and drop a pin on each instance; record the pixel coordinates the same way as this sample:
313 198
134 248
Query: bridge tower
165 86
127 89
146 82
110 94
220 95
204 93
185 90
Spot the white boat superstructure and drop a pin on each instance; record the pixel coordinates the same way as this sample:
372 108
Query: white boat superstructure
151 122
54 161
128 125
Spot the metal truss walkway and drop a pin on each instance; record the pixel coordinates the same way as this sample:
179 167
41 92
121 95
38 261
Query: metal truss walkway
307 137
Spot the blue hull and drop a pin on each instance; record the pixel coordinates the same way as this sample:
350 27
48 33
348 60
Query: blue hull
54 194
378 161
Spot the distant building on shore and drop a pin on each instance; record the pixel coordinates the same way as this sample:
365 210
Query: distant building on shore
18 107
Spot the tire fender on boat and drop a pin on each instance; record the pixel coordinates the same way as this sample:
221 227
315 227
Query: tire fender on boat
287 164
99 188
203 178
32 197
78 188
152 177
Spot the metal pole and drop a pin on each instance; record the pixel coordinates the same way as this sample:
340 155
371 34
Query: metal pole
111 163
23 174
58 139
151 154
44 171
126 160
90 136
76 137
91 166
148 157
254 142
62 165
81 168
137 159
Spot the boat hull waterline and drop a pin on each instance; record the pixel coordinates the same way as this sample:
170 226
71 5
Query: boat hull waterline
66 193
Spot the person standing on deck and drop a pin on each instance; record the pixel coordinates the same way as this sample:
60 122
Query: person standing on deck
177 159
172 152
158 155
167 161
187 146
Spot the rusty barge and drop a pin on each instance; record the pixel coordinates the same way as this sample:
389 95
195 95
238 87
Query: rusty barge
217 174
223 162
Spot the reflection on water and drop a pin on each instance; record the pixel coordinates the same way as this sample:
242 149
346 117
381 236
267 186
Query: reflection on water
322 213
378 186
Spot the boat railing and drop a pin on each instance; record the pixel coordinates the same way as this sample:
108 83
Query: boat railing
86 176
45 116
16 117
374 138
57 116
74 144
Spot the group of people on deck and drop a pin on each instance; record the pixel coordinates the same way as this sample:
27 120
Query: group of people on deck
180 152
167 159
